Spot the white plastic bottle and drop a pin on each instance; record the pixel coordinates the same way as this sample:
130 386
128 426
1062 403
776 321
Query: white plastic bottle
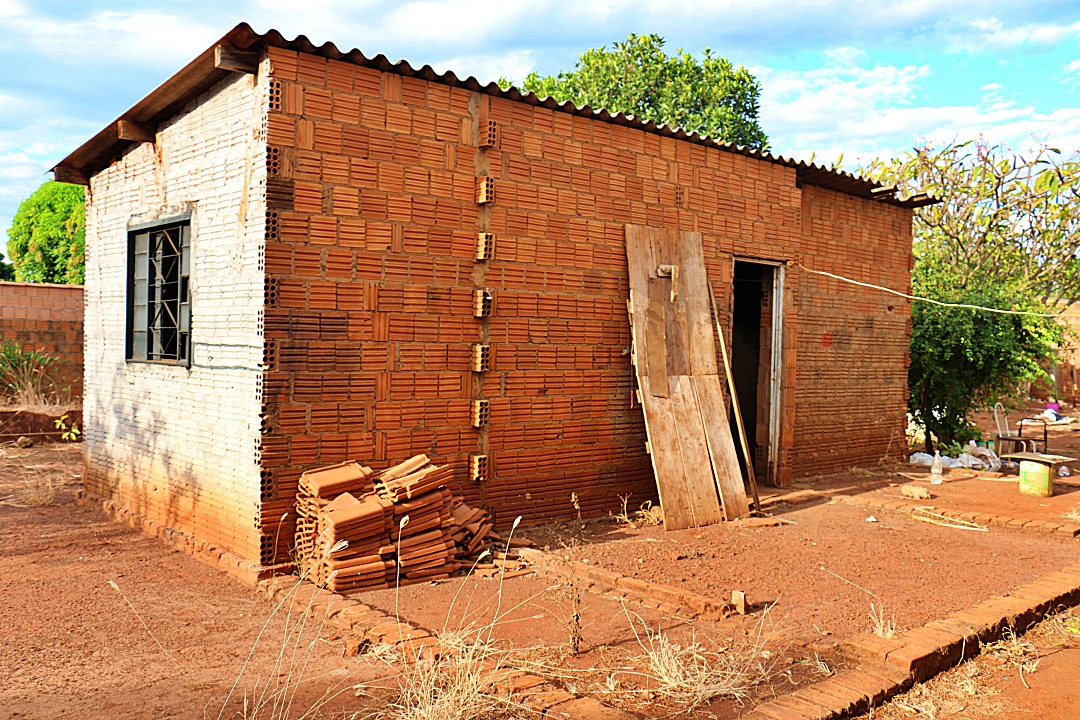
936 466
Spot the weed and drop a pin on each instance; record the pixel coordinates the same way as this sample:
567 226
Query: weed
1061 628
38 490
150 632
1010 649
1073 514
67 434
575 617
623 517
878 624
273 697
459 681
648 515
24 377
691 675
952 694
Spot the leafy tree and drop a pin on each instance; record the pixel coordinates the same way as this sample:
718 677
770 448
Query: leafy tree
46 240
964 360
1005 235
636 77
1010 219
7 270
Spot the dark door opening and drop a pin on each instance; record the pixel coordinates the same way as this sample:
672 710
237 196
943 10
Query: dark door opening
751 358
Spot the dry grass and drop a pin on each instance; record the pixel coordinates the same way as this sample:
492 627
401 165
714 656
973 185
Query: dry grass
1059 629
39 488
1073 515
644 516
458 683
462 679
1012 650
879 625
273 697
955 693
690 675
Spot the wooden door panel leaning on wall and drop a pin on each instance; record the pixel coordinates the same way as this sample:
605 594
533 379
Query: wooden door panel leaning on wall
693 454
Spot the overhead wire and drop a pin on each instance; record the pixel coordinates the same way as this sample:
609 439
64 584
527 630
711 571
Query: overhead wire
928 300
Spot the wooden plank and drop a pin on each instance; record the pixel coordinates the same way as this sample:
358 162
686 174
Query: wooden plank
133 131
725 463
669 465
656 338
236 60
666 453
699 490
696 306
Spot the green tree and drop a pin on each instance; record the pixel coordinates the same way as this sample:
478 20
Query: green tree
7 270
1011 219
47 238
636 77
1005 235
964 360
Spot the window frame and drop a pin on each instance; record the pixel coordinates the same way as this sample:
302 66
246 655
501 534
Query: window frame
153 305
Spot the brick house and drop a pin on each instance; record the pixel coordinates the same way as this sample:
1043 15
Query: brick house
297 256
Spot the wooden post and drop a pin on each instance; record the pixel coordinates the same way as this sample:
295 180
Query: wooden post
735 402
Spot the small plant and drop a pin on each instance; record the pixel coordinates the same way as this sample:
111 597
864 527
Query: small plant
1061 628
878 624
67 434
24 376
1073 514
624 516
649 515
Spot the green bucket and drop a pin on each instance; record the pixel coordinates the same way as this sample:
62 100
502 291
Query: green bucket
1035 479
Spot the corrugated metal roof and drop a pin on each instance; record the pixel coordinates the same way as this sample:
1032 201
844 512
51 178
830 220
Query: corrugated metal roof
201 73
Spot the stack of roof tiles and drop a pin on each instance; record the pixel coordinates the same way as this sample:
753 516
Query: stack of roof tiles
361 530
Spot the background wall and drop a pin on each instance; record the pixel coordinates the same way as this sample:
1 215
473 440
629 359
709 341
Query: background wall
49 319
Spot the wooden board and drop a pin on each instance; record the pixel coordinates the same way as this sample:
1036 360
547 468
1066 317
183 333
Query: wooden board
692 451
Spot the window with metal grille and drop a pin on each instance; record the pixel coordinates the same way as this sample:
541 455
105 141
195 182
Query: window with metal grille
159 293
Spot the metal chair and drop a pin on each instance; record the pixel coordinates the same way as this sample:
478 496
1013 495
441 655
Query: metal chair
1005 441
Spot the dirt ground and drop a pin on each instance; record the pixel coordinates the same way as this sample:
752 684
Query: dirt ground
73 647
76 647
990 685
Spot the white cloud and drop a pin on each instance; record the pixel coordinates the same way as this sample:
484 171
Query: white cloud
9 8
146 38
994 35
488 68
877 112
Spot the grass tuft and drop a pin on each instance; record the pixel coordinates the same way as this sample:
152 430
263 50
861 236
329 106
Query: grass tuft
690 675
39 489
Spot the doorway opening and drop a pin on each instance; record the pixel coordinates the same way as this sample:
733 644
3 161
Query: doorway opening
755 361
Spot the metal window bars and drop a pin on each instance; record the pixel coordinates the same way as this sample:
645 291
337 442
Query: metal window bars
160 295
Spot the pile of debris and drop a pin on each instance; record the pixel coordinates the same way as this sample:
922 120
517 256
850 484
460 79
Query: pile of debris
362 530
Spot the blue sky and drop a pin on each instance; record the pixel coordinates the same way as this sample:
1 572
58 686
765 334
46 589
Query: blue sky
863 79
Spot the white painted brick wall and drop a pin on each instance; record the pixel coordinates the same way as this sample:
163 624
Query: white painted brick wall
173 443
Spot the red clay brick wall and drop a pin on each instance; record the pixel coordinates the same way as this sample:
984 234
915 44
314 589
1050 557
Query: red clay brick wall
48 319
370 275
851 397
